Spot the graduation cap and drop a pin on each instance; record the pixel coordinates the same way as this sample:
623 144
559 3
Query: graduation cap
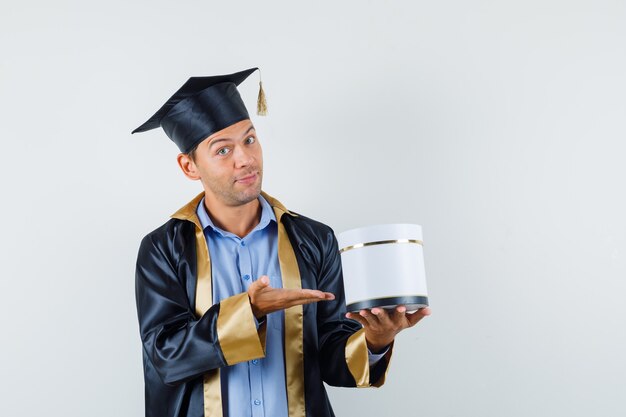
201 107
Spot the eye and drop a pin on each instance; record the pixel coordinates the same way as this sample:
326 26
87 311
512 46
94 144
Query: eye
223 151
250 140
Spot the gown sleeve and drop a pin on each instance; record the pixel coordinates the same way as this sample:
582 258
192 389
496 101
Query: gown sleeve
344 355
180 345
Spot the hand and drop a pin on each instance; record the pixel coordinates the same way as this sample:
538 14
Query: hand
265 299
381 326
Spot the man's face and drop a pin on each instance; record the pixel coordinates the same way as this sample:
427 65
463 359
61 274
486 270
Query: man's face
230 164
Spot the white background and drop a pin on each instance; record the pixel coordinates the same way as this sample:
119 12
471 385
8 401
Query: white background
499 126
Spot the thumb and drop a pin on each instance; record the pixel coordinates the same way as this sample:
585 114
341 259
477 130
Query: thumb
414 318
260 283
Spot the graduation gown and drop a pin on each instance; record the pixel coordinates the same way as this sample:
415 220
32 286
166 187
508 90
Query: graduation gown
187 339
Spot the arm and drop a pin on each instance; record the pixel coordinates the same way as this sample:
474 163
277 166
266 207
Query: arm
180 345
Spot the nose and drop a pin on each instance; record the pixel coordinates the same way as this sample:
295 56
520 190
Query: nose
243 157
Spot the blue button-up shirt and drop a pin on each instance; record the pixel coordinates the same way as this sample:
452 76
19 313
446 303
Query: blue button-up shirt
255 388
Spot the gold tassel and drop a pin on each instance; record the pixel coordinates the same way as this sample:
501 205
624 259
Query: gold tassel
261 103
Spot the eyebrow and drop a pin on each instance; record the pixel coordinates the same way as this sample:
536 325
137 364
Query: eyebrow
213 142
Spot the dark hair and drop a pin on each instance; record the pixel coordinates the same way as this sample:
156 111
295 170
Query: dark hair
192 152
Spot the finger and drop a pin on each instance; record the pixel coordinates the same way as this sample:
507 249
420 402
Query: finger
308 294
383 316
325 295
401 309
414 318
426 311
372 320
291 303
293 297
356 317
398 315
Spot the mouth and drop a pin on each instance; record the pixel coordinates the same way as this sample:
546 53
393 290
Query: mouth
248 179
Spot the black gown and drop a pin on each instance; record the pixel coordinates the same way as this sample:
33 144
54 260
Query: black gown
186 339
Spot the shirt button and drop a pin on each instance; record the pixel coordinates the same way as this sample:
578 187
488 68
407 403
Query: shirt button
243 243
255 361
246 277
257 402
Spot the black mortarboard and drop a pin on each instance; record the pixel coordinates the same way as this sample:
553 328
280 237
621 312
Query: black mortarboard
201 107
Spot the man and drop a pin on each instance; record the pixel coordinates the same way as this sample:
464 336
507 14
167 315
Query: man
240 301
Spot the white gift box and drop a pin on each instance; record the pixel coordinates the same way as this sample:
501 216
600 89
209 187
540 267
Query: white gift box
383 266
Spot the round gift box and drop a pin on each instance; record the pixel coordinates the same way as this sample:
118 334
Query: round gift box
383 266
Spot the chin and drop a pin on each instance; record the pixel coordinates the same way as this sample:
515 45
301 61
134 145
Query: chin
249 195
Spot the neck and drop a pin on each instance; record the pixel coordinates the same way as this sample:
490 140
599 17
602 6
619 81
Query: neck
239 220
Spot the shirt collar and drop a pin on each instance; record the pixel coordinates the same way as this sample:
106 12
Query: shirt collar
267 215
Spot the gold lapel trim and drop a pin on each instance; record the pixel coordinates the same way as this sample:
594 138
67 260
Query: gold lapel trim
204 300
294 344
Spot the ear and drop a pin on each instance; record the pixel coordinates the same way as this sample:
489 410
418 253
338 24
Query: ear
188 167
